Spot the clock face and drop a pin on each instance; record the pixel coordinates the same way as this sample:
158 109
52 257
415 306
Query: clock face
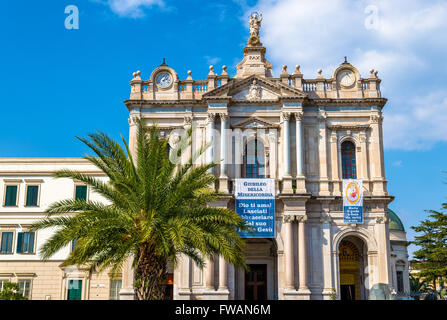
346 78
163 79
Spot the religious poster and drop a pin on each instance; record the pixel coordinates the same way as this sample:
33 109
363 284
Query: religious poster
255 203
352 201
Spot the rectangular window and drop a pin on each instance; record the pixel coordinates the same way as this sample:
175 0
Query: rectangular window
32 196
74 290
115 287
25 242
2 281
6 242
25 288
81 192
11 196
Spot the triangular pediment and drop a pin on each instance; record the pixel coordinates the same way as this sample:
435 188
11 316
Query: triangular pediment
255 88
254 123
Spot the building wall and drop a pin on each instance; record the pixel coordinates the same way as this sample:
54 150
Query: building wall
48 278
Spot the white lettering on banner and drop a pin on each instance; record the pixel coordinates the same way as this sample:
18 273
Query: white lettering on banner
255 203
352 201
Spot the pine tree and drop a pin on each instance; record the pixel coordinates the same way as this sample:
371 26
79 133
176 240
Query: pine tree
432 241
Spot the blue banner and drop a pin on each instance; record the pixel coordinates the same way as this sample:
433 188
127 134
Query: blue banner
255 203
352 201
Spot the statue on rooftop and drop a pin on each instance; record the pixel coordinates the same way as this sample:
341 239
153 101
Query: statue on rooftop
255 26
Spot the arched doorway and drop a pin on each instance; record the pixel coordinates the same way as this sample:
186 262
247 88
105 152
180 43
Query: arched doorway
352 261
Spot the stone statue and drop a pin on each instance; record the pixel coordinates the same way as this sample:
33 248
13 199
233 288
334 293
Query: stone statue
254 93
255 26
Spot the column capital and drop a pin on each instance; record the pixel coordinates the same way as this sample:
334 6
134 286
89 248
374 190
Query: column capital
211 116
375 118
298 115
133 120
286 116
326 220
223 116
187 120
322 115
301 218
380 220
334 137
362 136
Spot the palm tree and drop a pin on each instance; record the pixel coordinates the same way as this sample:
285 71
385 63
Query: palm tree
155 210
417 286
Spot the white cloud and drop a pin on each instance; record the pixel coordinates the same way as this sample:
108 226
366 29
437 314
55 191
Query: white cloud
403 39
132 8
420 124
397 163
212 60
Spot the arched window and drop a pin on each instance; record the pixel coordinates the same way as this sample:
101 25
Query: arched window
254 159
348 160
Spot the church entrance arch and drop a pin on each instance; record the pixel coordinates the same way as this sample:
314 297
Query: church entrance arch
352 259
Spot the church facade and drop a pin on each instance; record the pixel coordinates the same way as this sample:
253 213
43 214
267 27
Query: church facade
307 134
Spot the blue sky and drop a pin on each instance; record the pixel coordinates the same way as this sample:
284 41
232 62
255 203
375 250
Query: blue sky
56 84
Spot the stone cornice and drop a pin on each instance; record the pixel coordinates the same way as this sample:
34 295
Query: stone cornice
354 127
380 102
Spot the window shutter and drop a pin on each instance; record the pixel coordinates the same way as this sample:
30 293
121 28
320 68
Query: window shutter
19 242
81 192
11 196
31 195
31 243
6 245
9 237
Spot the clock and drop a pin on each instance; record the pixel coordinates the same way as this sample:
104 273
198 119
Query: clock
163 79
346 78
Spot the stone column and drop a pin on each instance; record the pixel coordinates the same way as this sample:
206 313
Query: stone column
127 291
273 142
378 174
300 178
383 250
209 274
322 146
334 164
183 270
288 251
223 274
238 152
133 128
287 178
210 139
328 283
223 179
302 254
187 154
364 160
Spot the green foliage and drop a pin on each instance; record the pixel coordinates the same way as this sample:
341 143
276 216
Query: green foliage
417 286
432 243
10 291
333 295
154 207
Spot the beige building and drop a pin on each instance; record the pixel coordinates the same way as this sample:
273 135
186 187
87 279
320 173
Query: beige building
306 134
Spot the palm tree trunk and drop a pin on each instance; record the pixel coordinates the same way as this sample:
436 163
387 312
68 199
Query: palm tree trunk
150 276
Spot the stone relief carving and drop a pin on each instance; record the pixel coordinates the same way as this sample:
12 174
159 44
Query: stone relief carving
254 92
